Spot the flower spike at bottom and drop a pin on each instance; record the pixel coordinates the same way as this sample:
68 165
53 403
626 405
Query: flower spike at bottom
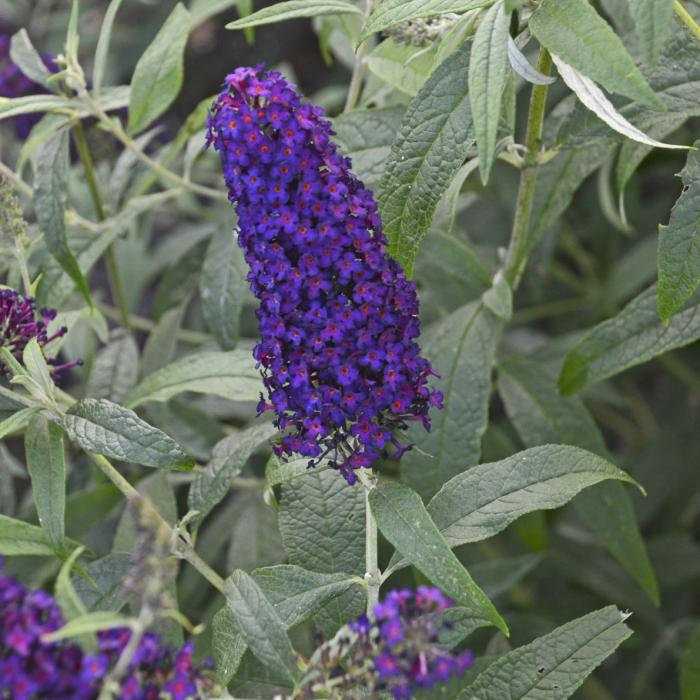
338 318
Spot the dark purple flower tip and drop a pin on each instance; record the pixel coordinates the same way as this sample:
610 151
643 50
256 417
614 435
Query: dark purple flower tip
20 322
338 318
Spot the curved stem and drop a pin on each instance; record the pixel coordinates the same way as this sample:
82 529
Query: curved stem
687 19
115 282
360 68
518 249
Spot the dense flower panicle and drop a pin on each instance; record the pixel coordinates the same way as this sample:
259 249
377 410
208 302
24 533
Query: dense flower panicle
13 83
20 322
338 318
403 641
32 669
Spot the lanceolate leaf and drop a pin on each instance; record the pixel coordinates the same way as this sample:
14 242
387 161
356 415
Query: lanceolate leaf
292 9
387 13
228 459
573 30
484 500
554 666
46 466
27 59
461 348
115 370
524 68
222 287
260 625
541 414
679 244
102 427
690 668
102 49
159 72
228 374
50 193
632 337
404 521
487 80
436 134
653 20
594 98
18 538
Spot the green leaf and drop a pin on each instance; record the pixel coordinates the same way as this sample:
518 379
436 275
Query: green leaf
435 136
222 288
366 136
485 499
500 575
102 49
227 645
653 20
69 601
554 666
27 59
541 415
690 668
17 421
46 465
103 592
158 74
15 106
404 521
679 244
487 80
573 30
259 624
461 349
18 538
231 375
89 623
632 337
322 525
292 9
37 367
499 298
180 280
103 427
387 13
50 193
115 369
404 67
229 456
161 344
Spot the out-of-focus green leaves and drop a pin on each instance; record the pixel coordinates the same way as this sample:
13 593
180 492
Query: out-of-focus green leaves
292 9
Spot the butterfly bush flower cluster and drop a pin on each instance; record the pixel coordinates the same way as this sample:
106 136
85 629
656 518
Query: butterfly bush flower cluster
20 322
338 318
403 640
33 669
13 83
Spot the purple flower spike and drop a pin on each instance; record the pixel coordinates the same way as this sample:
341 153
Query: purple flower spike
402 642
20 322
338 318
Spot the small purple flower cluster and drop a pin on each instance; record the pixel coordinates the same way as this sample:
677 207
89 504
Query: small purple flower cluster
20 322
338 318
32 669
403 639
13 83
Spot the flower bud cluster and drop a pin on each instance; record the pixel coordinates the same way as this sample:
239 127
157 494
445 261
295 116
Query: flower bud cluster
338 318
33 669
422 32
404 642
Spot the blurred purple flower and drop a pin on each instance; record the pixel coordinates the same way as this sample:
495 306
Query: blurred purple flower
338 318
32 669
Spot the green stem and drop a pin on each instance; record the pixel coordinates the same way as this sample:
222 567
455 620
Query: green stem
166 174
360 68
516 257
186 552
687 19
115 283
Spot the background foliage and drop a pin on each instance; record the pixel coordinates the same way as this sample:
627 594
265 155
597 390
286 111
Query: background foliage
564 333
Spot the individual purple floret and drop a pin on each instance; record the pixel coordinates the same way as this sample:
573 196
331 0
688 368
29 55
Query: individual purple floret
13 83
338 318
33 669
20 322
403 641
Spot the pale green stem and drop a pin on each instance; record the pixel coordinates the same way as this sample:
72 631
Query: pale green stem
687 19
20 254
516 257
373 575
110 259
115 128
360 68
